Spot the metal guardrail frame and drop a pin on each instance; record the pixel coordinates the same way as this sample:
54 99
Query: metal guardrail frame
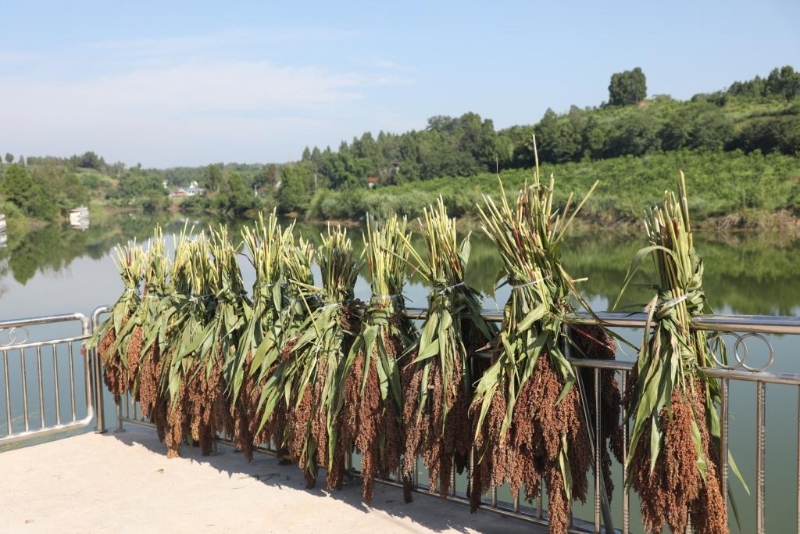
16 341
742 327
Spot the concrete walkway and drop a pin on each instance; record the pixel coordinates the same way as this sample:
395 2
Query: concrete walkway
120 483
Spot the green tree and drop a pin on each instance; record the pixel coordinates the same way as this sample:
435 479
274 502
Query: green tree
138 184
9 158
212 177
90 160
266 177
23 191
236 197
294 194
627 88
636 134
558 139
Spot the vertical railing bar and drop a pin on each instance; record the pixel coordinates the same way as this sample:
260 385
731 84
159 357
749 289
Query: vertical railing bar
540 501
471 474
40 385
24 376
118 410
90 392
760 455
8 392
494 496
415 474
95 365
626 498
723 441
597 450
57 390
453 481
798 459
71 379
516 502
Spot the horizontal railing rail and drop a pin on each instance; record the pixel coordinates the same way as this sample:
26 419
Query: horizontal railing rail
739 331
45 385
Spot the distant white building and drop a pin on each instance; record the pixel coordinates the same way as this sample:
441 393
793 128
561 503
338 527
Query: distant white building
190 191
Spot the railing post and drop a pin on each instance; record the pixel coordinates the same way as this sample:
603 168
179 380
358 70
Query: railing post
97 375
761 446
723 441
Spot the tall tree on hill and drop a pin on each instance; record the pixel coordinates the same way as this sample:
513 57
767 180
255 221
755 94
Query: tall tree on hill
627 88
212 177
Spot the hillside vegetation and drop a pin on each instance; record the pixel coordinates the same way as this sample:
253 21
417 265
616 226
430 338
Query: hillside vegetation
739 148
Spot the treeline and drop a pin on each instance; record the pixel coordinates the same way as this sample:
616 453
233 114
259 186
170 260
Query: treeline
760 114
759 117
42 192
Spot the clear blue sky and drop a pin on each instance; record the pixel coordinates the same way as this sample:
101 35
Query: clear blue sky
190 83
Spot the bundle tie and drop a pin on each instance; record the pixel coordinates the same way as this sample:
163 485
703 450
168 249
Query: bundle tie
385 297
444 290
520 286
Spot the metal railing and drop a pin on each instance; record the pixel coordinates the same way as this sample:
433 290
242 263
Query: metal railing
46 386
738 331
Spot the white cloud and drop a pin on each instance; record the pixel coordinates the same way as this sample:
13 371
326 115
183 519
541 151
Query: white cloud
381 63
214 42
185 100
15 57
211 87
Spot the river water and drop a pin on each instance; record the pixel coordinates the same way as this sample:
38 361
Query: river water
61 270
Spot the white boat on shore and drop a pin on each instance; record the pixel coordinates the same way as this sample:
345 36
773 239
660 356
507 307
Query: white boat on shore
79 217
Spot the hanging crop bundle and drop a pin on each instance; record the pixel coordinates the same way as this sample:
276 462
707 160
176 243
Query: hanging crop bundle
531 425
189 347
263 336
275 397
229 301
372 401
315 372
437 382
674 462
114 338
156 311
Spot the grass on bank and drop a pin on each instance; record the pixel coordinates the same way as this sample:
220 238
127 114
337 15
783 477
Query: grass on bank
732 189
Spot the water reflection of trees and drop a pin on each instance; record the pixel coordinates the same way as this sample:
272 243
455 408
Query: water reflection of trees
743 273
746 274
54 248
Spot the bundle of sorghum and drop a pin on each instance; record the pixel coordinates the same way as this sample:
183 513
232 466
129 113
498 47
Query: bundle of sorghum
114 339
275 404
156 317
372 396
315 373
674 462
188 353
530 421
263 334
438 379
